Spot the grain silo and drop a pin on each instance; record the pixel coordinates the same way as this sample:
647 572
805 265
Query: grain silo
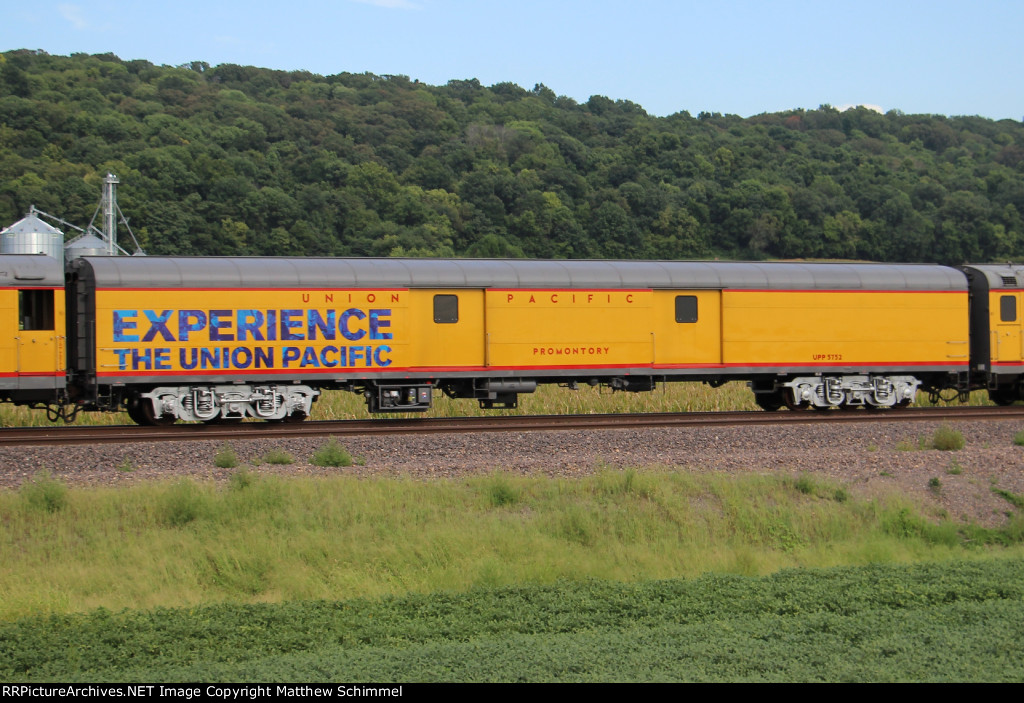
86 245
32 236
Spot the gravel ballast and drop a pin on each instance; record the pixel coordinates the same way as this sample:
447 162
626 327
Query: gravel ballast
864 458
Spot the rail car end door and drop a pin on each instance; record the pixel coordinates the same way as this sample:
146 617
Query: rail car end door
39 342
1006 327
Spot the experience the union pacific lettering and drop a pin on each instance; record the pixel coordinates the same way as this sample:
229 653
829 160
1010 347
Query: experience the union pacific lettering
199 337
243 325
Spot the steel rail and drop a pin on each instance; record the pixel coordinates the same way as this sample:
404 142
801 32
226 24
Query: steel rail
97 434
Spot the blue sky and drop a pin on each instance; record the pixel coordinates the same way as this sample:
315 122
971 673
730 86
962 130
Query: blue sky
738 56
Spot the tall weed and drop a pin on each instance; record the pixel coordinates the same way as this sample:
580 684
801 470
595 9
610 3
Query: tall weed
45 493
331 454
182 503
947 439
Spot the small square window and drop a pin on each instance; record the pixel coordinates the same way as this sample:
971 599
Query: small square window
446 309
1008 308
36 309
686 308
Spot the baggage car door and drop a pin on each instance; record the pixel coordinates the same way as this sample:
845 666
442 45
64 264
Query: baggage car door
448 329
688 329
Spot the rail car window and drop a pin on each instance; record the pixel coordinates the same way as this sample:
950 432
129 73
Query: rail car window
446 309
1008 308
686 308
35 309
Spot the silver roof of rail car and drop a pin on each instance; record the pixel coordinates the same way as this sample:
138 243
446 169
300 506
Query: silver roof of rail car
258 272
31 271
998 275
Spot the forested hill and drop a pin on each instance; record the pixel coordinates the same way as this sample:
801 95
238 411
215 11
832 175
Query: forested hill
240 160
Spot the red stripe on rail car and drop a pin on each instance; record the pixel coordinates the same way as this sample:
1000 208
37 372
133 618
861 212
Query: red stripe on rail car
9 374
391 370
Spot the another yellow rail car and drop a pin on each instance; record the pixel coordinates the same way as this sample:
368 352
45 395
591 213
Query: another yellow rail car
32 329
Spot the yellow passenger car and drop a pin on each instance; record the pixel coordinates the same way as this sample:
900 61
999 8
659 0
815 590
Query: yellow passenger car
215 338
32 329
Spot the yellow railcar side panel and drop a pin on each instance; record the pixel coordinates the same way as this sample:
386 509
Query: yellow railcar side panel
8 331
568 328
446 345
1007 337
60 332
333 333
340 333
840 328
688 343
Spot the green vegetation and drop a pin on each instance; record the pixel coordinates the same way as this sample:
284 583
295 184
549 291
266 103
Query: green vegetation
944 438
1015 500
278 456
958 621
947 439
810 486
501 492
331 454
241 480
906 445
44 493
181 503
626 575
806 484
240 160
226 458
1018 439
261 538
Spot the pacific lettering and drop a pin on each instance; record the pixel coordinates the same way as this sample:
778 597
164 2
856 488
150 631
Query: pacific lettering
555 299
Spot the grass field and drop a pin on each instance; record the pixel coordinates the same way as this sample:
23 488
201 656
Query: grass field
956 621
266 539
645 574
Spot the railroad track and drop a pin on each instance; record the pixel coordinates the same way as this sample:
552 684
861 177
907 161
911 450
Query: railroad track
97 434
